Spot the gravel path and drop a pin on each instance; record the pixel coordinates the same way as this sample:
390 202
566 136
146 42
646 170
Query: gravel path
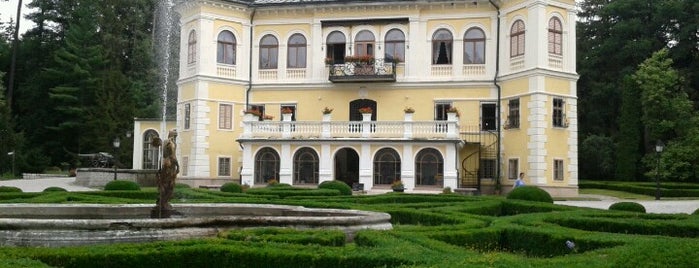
38 185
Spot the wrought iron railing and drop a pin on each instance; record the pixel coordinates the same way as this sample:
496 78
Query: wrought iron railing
374 70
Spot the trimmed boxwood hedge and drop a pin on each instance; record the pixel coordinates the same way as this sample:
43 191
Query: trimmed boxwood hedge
667 189
10 189
628 206
331 238
54 189
429 231
231 187
122 185
530 193
336 185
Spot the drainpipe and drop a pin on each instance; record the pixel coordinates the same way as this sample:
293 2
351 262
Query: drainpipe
247 92
495 82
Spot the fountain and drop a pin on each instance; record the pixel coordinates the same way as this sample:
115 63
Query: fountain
54 225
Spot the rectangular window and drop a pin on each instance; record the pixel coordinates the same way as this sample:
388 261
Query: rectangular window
184 166
488 116
487 168
558 170
224 166
558 112
225 116
187 114
513 169
513 115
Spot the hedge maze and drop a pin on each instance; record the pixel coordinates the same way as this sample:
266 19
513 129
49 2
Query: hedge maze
443 230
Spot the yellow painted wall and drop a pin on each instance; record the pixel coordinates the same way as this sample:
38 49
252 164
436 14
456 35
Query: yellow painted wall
390 102
237 26
186 91
557 86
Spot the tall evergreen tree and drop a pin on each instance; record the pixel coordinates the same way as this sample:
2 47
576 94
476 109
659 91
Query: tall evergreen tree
80 65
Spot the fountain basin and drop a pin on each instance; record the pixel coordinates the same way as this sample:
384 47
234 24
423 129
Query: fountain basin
55 225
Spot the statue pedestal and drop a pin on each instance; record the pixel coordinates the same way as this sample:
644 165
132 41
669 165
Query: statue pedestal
157 213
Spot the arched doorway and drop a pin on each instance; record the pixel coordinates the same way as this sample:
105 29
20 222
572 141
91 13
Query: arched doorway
429 166
386 166
266 165
347 166
305 166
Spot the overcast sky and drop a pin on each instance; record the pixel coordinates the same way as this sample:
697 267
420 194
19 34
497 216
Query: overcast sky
8 10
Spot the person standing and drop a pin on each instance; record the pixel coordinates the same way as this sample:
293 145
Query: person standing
520 180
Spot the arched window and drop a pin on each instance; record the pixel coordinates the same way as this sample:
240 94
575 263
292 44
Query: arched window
429 165
364 43
269 47
386 166
266 165
296 55
335 52
151 155
192 47
474 46
395 46
555 36
306 166
441 46
225 52
517 39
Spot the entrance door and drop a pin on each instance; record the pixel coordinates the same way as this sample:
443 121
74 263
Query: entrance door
347 166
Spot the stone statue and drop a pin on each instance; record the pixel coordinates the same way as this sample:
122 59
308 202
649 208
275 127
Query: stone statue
166 176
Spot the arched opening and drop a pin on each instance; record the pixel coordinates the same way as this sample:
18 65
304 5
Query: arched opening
347 166
386 166
335 48
151 154
266 165
305 166
429 166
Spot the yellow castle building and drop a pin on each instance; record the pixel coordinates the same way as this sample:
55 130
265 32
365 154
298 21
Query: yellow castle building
436 94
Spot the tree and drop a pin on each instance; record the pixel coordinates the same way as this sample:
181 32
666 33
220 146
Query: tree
668 115
80 65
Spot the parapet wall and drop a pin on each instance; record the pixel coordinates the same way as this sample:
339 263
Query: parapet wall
99 177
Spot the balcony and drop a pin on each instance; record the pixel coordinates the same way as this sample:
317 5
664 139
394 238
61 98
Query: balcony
326 129
378 70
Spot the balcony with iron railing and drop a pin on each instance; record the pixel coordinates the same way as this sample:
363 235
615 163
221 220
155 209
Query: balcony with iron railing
371 70
366 129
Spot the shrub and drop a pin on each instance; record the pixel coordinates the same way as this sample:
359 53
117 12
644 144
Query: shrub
628 206
231 187
121 185
10 189
54 189
696 212
336 185
447 190
182 186
279 185
530 193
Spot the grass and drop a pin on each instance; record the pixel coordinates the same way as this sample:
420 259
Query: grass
616 194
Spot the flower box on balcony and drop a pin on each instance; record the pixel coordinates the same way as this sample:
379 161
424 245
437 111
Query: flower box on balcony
366 110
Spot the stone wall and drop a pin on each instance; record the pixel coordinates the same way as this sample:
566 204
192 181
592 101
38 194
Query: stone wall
99 177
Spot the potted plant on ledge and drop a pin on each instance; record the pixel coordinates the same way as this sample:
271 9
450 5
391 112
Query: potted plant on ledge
398 186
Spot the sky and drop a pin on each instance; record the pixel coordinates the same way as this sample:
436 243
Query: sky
8 9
